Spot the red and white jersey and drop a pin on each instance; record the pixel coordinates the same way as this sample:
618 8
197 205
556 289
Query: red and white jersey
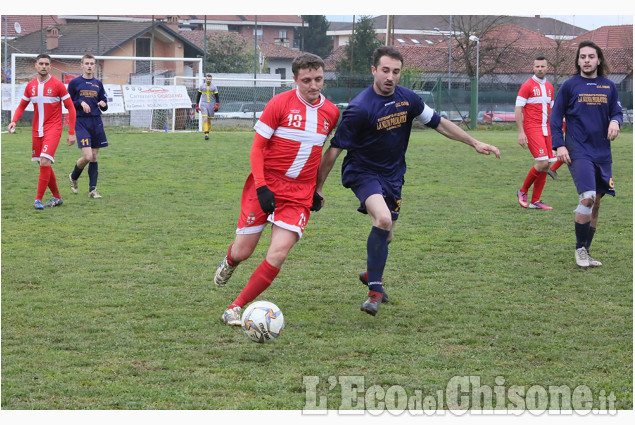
297 132
47 98
536 98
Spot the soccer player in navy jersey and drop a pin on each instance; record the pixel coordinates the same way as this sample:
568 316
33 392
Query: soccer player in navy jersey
590 104
89 98
375 129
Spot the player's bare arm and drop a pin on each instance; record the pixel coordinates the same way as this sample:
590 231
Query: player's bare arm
522 137
326 165
454 132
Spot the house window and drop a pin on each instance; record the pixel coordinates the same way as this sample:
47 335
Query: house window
142 49
415 41
282 72
258 34
401 41
282 34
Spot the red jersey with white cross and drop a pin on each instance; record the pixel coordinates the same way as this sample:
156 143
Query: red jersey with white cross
47 98
536 98
296 131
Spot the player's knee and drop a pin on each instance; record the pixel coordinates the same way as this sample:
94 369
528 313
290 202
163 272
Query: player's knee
383 222
542 166
585 204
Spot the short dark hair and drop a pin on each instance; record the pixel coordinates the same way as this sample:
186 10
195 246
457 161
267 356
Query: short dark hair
390 51
306 60
603 68
42 56
540 58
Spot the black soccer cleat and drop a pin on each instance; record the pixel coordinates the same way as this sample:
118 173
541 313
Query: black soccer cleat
363 277
371 305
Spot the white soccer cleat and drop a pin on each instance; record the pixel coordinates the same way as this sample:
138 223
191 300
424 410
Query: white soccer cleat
231 316
73 184
593 262
582 257
223 272
94 194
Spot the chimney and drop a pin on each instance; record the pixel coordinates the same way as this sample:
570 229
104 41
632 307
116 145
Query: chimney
173 22
52 38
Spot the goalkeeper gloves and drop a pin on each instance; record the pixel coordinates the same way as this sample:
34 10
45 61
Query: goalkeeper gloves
317 202
267 199
216 107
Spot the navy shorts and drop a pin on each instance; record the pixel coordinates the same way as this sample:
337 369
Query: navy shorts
365 185
89 132
596 176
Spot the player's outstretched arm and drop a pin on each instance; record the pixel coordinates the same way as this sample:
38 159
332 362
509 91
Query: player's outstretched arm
454 132
326 165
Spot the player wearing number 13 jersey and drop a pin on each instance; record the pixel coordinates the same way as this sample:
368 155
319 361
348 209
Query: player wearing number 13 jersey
285 157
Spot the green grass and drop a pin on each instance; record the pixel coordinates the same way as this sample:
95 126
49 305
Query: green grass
109 304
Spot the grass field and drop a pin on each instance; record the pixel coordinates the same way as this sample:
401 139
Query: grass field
109 304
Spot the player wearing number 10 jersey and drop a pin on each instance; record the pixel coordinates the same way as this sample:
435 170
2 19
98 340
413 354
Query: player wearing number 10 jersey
285 157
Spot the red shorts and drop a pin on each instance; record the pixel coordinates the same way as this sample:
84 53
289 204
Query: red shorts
540 145
292 207
45 146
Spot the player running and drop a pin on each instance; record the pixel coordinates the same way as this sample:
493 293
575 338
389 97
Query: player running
89 98
285 156
533 106
375 130
204 103
590 104
47 94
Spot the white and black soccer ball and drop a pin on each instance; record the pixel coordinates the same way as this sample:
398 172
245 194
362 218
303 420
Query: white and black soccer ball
262 321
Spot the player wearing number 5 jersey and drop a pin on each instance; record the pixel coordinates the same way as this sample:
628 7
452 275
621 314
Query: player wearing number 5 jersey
285 157
89 98
47 94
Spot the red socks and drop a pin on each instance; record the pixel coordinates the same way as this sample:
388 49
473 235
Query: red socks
260 280
47 179
529 180
43 180
53 185
539 185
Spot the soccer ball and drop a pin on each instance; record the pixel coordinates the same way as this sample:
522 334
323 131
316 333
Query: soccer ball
262 321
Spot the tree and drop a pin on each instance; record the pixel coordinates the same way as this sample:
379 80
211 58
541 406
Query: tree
359 51
314 38
228 52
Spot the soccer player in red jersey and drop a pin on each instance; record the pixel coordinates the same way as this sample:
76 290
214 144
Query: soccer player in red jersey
285 157
47 94
533 107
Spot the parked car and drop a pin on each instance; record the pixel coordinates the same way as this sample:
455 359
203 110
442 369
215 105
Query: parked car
499 116
240 110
